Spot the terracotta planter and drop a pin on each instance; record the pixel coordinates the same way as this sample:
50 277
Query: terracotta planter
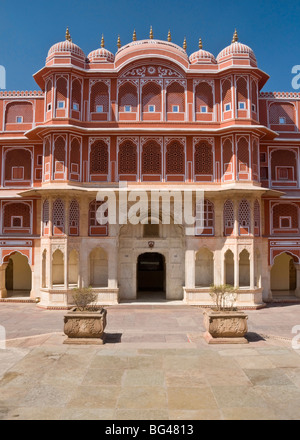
85 327
225 327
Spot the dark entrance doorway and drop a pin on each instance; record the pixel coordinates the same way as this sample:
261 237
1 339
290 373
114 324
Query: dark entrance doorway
151 273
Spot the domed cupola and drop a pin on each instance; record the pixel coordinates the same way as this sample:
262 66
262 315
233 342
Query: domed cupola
67 51
237 51
101 55
202 56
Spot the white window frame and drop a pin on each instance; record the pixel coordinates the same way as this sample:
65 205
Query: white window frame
289 218
150 107
61 105
49 107
175 108
20 121
75 104
99 109
203 109
227 109
127 108
282 120
12 174
242 105
253 107
12 221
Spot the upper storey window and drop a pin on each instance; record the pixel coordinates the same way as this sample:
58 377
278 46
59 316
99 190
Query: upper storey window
18 113
176 100
128 101
204 101
151 100
76 98
227 107
61 97
242 97
17 167
282 116
227 98
284 167
99 99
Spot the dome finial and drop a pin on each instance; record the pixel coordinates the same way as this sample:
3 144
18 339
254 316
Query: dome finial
134 36
200 44
119 42
68 36
184 44
102 41
151 33
235 38
169 36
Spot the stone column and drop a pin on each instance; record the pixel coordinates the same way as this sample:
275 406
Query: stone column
190 265
3 291
219 204
236 267
113 268
219 275
66 230
252 270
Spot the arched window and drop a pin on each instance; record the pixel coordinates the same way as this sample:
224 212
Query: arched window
17 167
204 99
283 167
283 114
241 94
228 217
227 160
243 158
175 98
204 268
254 105
99 101
16 218
285 218
19 109
205 218
58 217
244 217
99 161
256 218
95 227
151 159
74 171
76 98
175 161
74 218
151 98
47 160
255 159
128 98
127 161
46 217
203 161
226 98
61 96
59 158
48 92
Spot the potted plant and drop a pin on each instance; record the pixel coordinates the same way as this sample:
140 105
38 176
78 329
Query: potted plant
85 323
224 323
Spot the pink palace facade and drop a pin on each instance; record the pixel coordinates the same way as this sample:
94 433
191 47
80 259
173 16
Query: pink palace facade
154 117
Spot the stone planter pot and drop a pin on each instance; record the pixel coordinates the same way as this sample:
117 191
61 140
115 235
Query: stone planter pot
225 327
85 327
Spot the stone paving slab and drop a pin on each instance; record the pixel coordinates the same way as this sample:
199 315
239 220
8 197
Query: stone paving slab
164 371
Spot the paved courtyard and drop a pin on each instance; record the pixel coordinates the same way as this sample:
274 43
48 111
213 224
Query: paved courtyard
155 365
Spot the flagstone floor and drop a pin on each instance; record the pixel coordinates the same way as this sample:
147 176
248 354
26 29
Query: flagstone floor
154 365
